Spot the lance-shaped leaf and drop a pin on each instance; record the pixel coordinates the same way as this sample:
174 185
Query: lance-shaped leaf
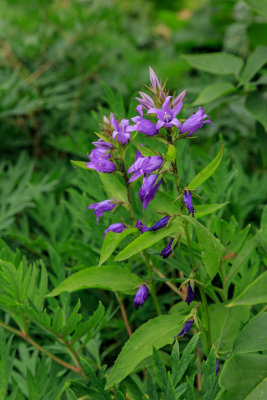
206 172
211 248
213 92
254 335
156 332
255 293
108 277
79 164
114 188
255 62
215 63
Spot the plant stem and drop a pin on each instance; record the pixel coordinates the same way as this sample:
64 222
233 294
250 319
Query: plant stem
124 315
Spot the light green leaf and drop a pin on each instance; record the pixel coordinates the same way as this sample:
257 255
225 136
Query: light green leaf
147 152
258 5
242 375
79 164
254 335
205 209
255 293
108 277
215 63
213 92
206 172
256 104
114 188
211 248
148 239
111 242
255 62
226 324
156 332
171 153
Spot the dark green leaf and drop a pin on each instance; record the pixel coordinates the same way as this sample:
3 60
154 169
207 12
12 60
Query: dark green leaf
159 370
213 92
254 335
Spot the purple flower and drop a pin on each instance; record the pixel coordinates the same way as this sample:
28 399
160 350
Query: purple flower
146 101
154 80
141 296
144 125
190 294
196 121
217 366
144 165
167 250
186 328
122 131
142 227
101 207
118 228
102 145
99 160
179 98
188 202
148 190
166 116
160 224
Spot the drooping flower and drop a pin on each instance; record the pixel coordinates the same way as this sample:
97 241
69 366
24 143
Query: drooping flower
122 131
103 206
142 227
148 189
188 202
217 366
146 101
99 161
166 115
143 125
141 296
186 328
160 224
167 250
118 228
190 294
144 165
196 121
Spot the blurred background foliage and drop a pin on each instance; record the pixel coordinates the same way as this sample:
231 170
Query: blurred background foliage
63 65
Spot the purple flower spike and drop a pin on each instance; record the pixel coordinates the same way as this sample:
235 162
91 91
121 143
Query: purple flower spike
179 99
167 250
189 203
101 207
118 228
143 125
217 366
186 328
146 101
142 227
190 294
122 131
166 116
196 121
141 296
160 224
144 165
148 190
154 80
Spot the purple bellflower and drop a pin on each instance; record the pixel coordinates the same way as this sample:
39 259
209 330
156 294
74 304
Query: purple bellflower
118 228
196 121
167 250
154 80
166 116
102 145
103 206
144 165
186 328
148 189
188 202
143 125
141 227
122 131
217 366
146 101
141 296
190 294
160 224
99 160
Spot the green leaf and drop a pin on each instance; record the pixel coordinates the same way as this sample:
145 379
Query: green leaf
159 370
254 336
226 324
256 104
255 293
258 5
79 164
133 390
70 394
171 153
151 386
170 394
211 248
215 63
205 209
147 152
213 92
185 360
107 277
148 239
255 62
156 332
209 383
114 188
206 172
242 375
111 242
